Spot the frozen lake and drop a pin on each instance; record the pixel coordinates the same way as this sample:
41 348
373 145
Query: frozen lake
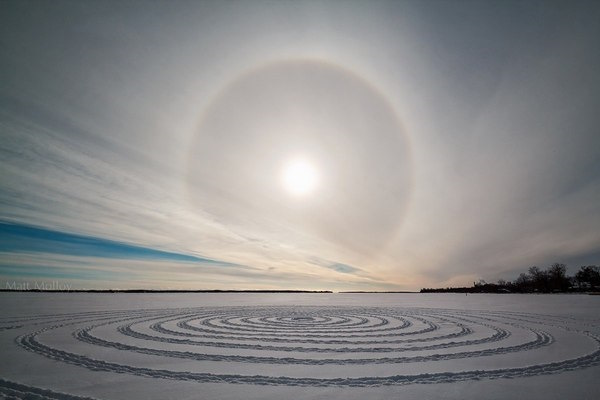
301 346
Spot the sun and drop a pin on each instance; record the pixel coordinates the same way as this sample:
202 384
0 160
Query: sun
300 177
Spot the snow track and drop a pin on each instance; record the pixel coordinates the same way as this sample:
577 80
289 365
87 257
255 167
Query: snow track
357 346
14 390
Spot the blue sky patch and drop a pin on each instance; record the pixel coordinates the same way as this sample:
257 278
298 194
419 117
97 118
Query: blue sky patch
19 238
344 268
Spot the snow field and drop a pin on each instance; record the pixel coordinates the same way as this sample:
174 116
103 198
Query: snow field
302 346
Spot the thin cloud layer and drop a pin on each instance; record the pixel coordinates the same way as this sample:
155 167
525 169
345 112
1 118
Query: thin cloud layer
455 141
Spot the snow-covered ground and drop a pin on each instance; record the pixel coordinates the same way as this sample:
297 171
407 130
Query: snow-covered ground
299 346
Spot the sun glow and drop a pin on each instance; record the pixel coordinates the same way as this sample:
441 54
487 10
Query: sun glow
300 177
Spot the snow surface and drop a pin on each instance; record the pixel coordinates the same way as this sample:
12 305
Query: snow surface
300 346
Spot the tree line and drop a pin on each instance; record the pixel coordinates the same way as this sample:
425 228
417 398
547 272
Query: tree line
553 279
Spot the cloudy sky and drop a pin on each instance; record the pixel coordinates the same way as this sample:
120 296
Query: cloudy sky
364 145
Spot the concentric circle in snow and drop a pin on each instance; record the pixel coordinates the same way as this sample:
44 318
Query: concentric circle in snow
312 346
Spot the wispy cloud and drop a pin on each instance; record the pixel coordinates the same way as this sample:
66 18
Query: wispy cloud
454 141
335 266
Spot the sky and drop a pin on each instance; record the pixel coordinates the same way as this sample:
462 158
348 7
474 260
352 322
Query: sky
148 144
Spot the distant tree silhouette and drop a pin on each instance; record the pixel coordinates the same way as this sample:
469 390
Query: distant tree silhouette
523 283
588 277
557 277
554 279
540 279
